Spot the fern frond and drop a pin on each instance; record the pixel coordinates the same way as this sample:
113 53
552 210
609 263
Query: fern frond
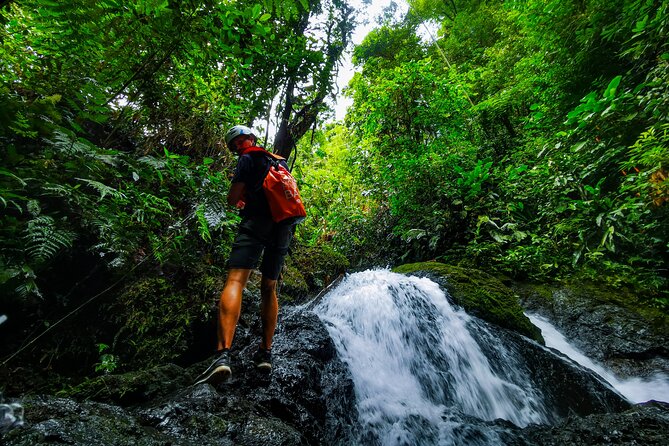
102 188
68 145
27 289
34 207
44 239
214 212
73 195
74 146
100 225
155 204
156 163
58 190
203 224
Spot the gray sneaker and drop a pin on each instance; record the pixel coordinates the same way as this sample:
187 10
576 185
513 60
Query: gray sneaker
218 371
263 359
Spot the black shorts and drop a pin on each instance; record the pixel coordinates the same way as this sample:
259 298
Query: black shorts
255 235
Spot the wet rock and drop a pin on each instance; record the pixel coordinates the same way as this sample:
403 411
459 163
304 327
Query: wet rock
53 420
478 293
11 415
644 424
307 399
134 387
568 388
610 326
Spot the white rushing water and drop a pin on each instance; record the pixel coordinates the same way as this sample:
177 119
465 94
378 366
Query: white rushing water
416 367
636 390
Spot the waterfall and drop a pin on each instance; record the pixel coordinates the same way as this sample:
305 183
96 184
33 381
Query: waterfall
418 366
636 390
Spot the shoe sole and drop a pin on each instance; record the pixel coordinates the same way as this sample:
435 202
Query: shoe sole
265 366
219 374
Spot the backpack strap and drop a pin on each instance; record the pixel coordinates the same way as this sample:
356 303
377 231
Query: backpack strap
261 150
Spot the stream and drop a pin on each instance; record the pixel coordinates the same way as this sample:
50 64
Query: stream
636 390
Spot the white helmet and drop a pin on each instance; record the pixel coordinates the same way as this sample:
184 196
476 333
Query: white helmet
239 130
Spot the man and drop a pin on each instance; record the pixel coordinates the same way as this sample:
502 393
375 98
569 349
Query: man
257 232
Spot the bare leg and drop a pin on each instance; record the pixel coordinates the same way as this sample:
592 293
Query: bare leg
269 311
230 306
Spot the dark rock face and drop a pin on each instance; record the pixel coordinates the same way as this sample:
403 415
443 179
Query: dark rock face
307 399
644 424
605 326
568 388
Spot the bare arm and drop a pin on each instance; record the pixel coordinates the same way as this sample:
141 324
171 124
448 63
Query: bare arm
236 193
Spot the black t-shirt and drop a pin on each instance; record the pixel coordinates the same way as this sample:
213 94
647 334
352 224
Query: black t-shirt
251 170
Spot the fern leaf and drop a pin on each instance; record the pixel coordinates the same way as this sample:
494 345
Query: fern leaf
156 163
58 190
44 239
33 207
203 225
74 146
102 188
62 142
214 212
27 289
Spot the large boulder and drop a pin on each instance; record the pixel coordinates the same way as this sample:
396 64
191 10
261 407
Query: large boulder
478 293
567 388
307 399
644 424
613 327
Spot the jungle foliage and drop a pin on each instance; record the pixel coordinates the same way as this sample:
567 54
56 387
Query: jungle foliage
113 177
527 137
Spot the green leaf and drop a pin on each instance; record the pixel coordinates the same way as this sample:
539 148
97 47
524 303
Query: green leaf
640 25
610 91
102 188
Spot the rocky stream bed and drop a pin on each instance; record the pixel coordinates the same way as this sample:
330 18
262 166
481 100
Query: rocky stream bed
309 398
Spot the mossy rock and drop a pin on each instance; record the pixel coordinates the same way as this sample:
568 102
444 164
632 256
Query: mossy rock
131 388
656 318
309 268
480 294
584 292
157 316
294 285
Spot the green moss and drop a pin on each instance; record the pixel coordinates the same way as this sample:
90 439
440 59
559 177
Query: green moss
535 291
579 291
310 268
207 423
480 294
130 388
294 284
623 298
156 315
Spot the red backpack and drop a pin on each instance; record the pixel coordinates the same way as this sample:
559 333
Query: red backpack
281 190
